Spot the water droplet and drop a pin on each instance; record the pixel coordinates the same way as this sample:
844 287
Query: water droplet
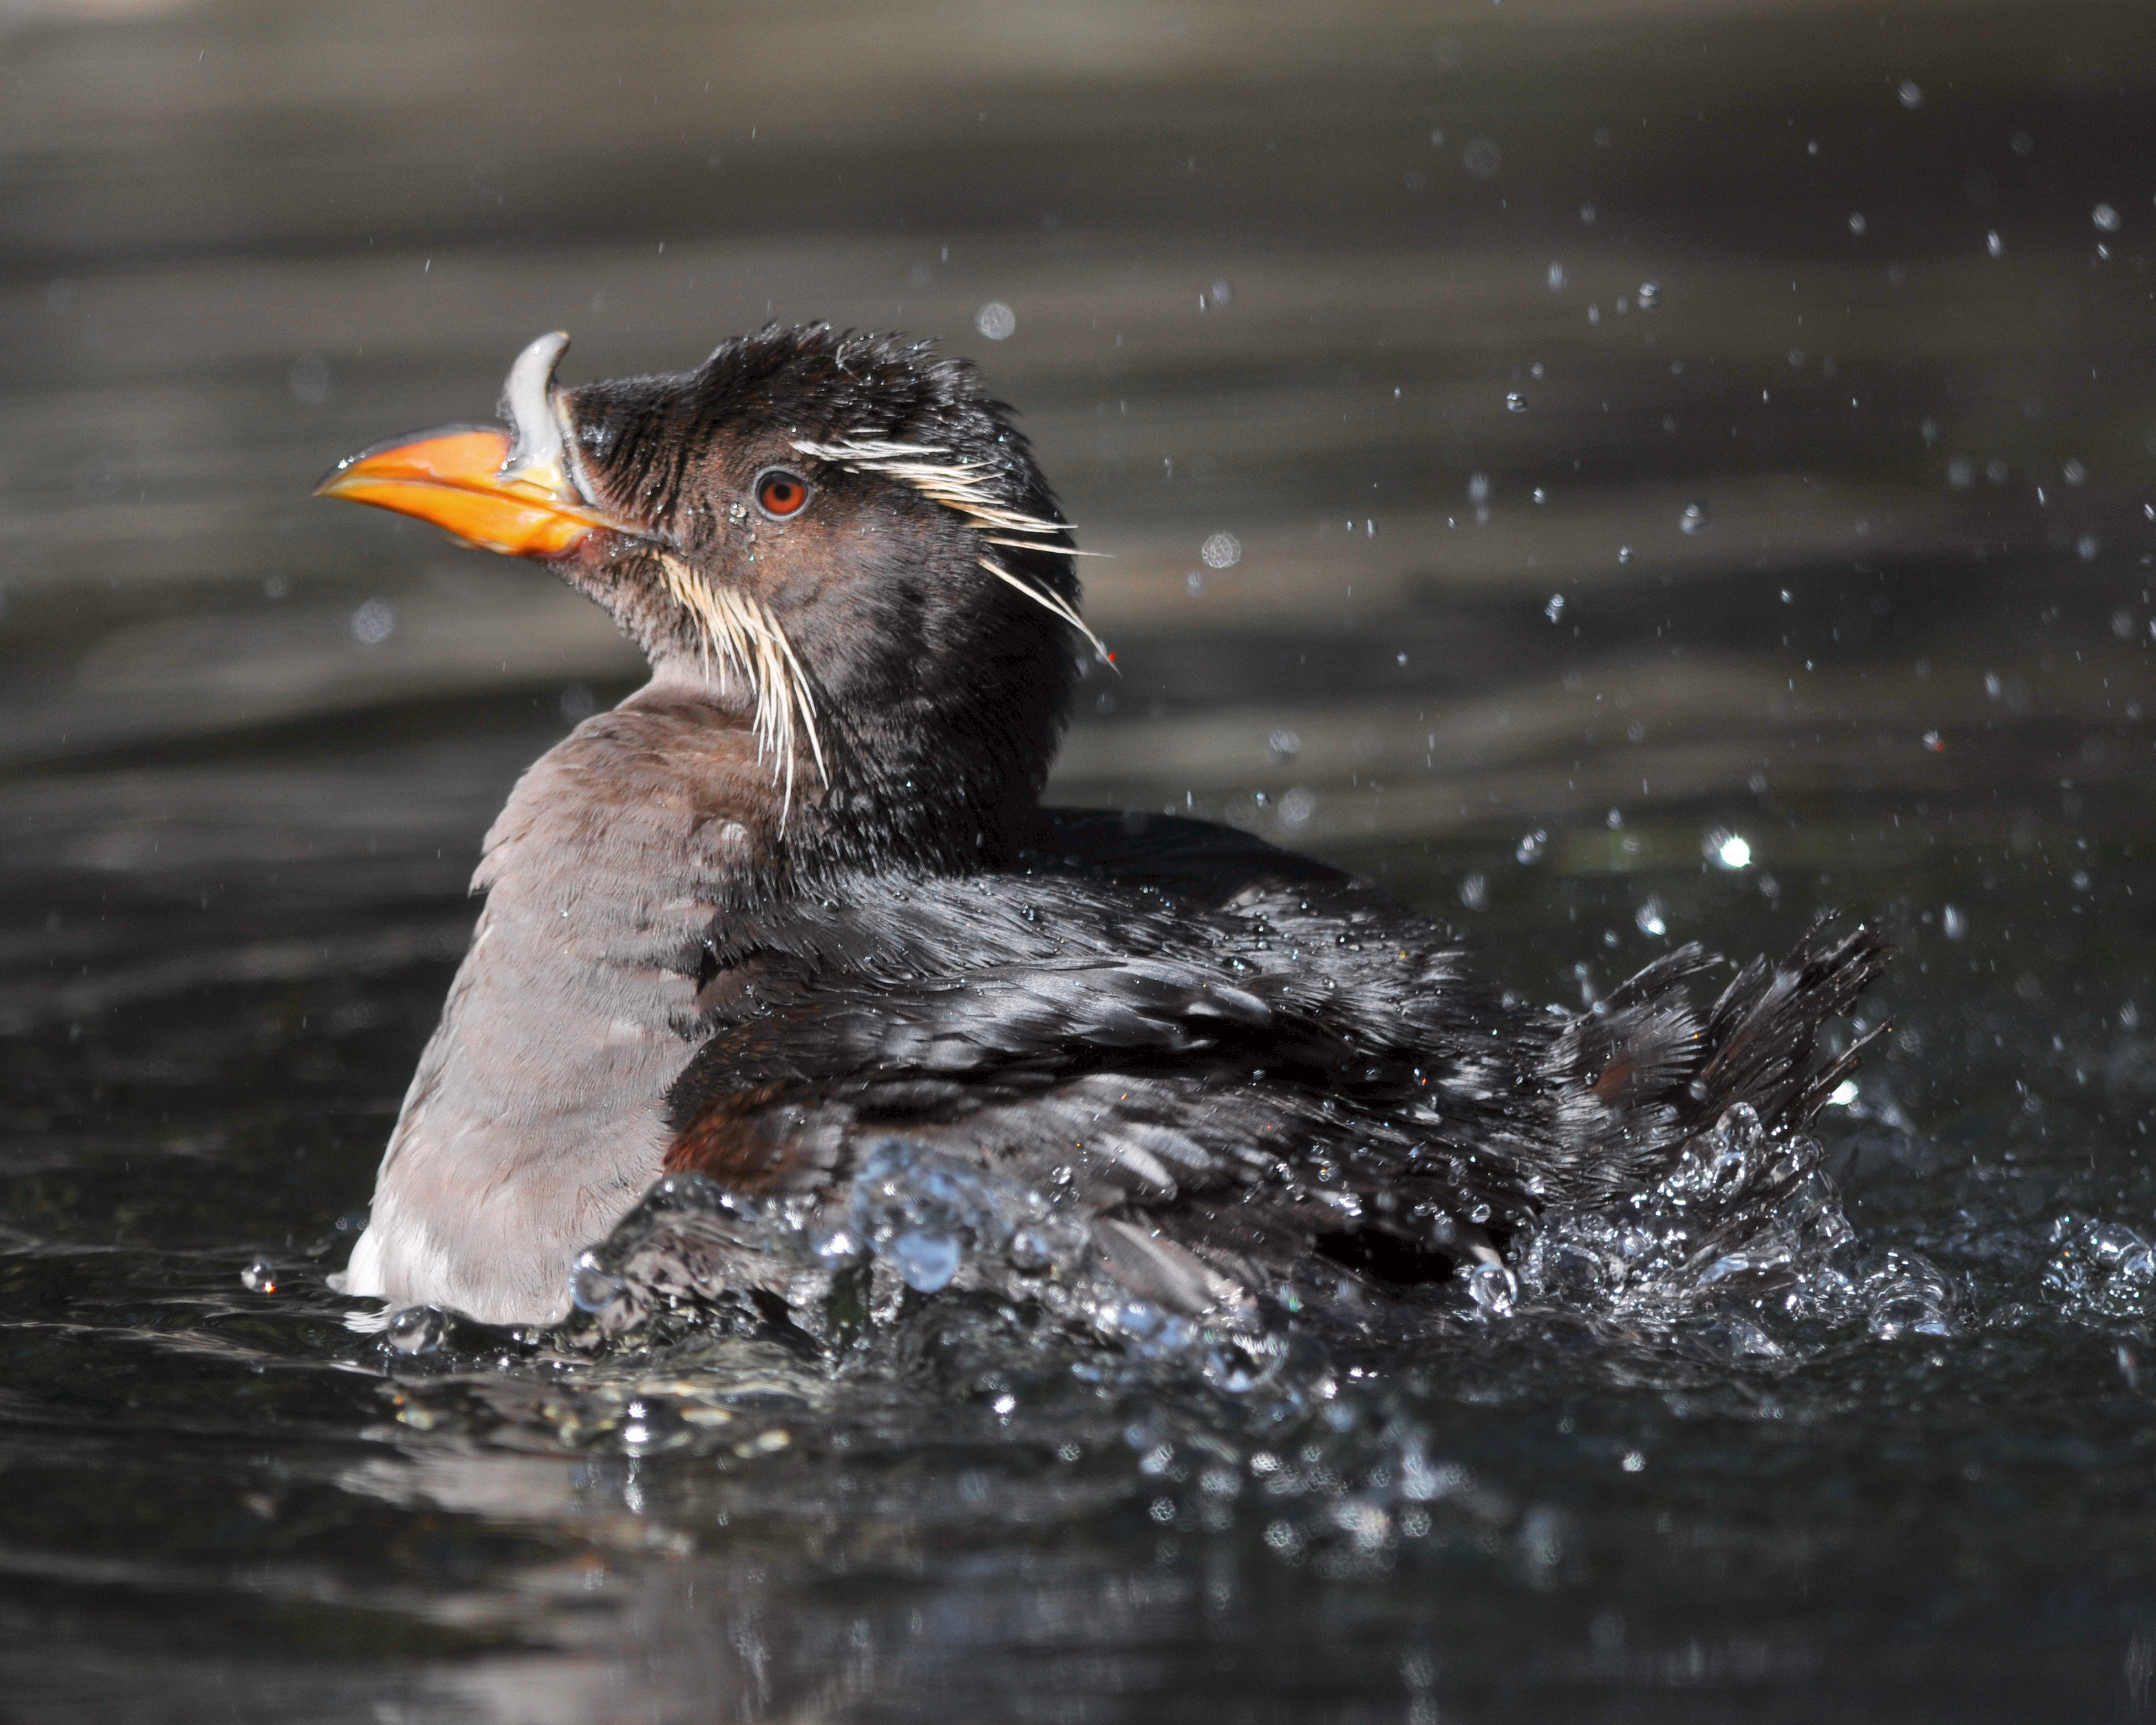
996 320
1296 807
418 1329
1649 296
1223 292
2087 547
1911 93
1541 495
1531 847
1960 474
1935 742
1474 892
927 1260
1481 158
1557 277
1624 553
1492 1288
1555 608
1726 849
1649 920
1515 402
259 1277
1478 488
1029 1252
1953 924
1857 222
1695 518
313 384
1222 551
373 623
1993 244
2105 218
1283 744
591 1286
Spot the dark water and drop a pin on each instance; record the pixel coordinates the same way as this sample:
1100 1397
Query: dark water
247 744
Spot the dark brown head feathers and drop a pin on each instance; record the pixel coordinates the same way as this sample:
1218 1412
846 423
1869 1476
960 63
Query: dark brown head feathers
903 642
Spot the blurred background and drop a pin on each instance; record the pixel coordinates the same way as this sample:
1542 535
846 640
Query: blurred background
1618 470
1791 347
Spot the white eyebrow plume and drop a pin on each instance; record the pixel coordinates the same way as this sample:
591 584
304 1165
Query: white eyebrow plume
963 487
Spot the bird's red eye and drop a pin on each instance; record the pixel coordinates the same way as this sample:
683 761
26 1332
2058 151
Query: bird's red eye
780 494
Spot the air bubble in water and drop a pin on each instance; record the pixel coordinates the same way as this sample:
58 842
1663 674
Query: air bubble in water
418 1329
996 320
259 1277
1696 518
1222 551
1515 402
1624 553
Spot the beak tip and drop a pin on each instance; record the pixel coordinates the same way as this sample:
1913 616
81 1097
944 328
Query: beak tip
453 478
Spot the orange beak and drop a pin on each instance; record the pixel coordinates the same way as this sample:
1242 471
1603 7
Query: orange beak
454 477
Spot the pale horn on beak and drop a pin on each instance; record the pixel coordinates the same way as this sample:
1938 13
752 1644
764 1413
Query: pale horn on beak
507 490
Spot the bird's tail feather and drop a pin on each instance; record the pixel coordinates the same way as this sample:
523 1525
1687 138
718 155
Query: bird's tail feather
1638 1077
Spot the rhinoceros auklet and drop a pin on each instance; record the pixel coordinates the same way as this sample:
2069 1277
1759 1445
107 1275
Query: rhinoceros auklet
796 897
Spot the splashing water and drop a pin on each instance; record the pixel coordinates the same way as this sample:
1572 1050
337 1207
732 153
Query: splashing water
1743 1211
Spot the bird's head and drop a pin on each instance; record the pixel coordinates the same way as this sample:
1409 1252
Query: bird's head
838 539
